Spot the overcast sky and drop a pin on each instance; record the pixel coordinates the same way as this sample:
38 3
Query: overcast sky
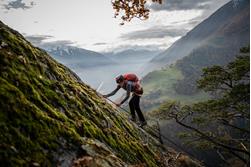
90 24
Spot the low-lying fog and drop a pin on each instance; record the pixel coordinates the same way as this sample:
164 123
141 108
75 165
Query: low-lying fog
102 77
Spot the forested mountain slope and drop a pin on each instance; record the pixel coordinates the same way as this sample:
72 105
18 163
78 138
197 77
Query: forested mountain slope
216 41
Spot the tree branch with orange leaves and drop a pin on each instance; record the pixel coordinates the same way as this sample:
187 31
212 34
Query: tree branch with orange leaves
129 9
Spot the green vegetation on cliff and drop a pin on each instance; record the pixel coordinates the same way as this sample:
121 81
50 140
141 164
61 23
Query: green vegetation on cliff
220 124
48 117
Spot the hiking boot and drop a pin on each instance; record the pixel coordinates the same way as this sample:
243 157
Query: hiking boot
133 119
142 124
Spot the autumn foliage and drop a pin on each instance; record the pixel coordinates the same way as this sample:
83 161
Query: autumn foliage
129 9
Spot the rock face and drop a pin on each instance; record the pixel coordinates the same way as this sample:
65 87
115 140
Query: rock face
48 117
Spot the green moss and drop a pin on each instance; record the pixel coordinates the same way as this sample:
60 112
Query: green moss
44 109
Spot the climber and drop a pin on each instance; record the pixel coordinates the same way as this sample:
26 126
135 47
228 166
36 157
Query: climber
130 83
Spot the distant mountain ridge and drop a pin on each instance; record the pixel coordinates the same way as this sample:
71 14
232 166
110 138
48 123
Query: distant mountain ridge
227 28
75 57
129 55
72 56
202 47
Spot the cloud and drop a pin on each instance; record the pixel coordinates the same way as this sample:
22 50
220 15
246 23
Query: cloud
99 43
171 5
149 47
38 38
55 44
18 4
60 43
207 7
193 22
42 41
154 32
175 28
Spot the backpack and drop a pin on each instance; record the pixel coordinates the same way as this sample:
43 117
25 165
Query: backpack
137 87
131 77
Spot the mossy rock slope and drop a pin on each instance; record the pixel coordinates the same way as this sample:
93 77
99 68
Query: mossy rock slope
49 117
